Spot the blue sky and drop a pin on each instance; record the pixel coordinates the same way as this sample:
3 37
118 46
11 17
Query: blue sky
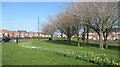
23 15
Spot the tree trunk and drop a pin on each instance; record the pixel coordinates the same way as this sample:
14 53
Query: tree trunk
101 43
83 35
105 40
106 46
69 40
3 35
78 40
83 38
87 34
17 40
8 35
87 38
51 37
61 35
78 43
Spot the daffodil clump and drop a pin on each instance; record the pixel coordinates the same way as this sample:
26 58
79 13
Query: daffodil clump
101 59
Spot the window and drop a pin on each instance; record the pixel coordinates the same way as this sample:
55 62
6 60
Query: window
118 37
5 33
108 37
113 33
90 37
90 33
113 36
94 36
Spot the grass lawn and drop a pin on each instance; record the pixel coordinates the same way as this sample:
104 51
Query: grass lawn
97 41
56 52
63 45
108 42
13 54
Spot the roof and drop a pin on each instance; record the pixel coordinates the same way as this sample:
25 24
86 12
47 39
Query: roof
6 31
22 31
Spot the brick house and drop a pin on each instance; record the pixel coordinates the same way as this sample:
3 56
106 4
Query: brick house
113 35
21 33
6 33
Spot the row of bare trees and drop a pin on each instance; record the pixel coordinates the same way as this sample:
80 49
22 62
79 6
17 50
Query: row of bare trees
99 16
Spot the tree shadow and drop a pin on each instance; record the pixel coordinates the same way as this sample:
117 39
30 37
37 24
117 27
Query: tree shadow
83 44
62 42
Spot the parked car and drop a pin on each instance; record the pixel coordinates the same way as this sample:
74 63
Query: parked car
6 39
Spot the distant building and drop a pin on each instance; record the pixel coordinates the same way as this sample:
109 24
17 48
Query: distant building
21 33
64 35
113 35
6 33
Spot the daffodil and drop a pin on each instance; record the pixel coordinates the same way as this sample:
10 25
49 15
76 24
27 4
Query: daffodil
33 47
116 63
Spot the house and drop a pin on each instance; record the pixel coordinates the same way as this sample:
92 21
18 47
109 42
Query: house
21 33
7 33
32 34
113 35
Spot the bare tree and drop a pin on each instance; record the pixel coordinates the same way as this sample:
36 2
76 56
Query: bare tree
55 21
109 17
49 29
78 9
68 24
101 17
105 18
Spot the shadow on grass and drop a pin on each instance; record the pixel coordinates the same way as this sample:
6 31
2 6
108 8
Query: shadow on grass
74 43
62 42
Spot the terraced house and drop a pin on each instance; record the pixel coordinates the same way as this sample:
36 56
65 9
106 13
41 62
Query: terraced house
21 33
6 33
113 35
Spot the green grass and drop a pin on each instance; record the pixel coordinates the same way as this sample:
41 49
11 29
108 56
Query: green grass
109 42
16 55
20 55
97 41
85 52
63 45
